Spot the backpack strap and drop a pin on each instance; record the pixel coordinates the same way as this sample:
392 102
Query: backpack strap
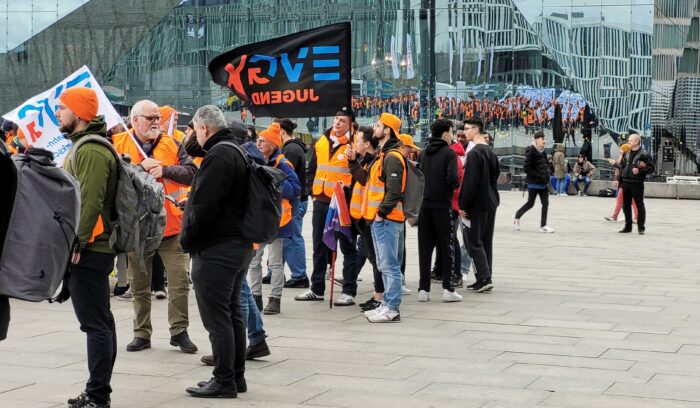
92 139
239 149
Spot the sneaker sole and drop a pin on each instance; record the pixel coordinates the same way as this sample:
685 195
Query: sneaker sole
485 288
451 300
139 348
424 300
386 321
258 355
226 395
269 312
343 304
309 300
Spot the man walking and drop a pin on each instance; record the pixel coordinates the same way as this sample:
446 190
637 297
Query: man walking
220 256
635 166
170 164
328 166
382 207
478 200
96 170
439 165
537 177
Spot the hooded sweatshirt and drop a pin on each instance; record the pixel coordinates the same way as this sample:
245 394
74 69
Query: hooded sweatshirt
96 171
479 188
439 165
294 150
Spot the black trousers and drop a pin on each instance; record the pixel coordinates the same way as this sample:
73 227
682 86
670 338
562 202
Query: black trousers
366 233
217 274
89 291
4 316
634 191
480 241
456 250
435 231
532 193
322 255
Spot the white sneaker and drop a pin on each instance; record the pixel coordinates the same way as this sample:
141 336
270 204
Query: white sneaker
385 316
516 223
374 311
344 300
423 296
546 230
405 290
160 294
448 296
127 296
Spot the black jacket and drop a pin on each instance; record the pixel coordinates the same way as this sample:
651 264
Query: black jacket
536 166
630 161
479 186
439 166
217 200
295 151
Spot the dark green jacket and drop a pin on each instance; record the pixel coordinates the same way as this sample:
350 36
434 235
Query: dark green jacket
96 171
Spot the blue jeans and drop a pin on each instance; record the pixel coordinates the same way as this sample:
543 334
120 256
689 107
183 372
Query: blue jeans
387 243
294 252
561 186
251 315
585 180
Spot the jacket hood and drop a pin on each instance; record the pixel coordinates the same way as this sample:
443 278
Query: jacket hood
458 148
392 143
298 142
559 147
434 145
96 126
254 153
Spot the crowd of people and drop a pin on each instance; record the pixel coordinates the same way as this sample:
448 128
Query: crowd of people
205 173
530 113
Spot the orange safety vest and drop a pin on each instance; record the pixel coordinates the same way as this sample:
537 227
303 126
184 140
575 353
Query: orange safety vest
286 206
374 191
166 152
358 193
330 169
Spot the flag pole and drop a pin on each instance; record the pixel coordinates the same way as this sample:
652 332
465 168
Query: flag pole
332 278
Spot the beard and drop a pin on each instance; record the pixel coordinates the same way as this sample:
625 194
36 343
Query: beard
68 128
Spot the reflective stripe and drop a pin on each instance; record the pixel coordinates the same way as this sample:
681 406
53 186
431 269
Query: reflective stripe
334 169
376 189
373 203
318 181
356 206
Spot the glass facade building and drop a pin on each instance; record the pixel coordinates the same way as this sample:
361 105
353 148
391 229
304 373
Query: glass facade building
502 59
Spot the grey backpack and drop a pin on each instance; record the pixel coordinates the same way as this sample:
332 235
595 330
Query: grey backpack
413 193
139 205
38 237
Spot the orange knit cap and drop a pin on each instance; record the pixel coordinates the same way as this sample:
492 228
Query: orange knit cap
166 112
272 134
391 121
625 147
81 101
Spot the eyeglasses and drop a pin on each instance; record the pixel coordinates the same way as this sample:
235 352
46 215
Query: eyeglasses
151 118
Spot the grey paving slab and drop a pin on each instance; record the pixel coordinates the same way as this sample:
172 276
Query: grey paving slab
584 317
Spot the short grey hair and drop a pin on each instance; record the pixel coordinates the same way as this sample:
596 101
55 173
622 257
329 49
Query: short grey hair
210 116
137 109
635 136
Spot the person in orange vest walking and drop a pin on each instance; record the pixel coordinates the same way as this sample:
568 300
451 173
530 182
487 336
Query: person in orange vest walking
328 166
269 143
170 164
382 207
96 170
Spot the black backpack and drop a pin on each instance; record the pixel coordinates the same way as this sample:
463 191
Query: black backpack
606 192
261 219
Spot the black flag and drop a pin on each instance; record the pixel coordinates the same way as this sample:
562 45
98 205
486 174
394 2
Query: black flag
299 75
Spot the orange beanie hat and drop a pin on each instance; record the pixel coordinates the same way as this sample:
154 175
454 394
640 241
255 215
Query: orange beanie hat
272 134
166 112
81 101
391 121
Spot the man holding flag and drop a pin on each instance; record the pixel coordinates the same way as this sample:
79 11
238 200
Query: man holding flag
382 206
327 168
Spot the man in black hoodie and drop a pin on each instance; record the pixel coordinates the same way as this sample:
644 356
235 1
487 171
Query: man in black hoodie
439 165
537 177
220 256
294 251
478 200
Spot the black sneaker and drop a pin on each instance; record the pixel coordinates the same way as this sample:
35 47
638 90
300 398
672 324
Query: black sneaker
297 283
480 287
625 231
370 305
85 401
471 287
266 279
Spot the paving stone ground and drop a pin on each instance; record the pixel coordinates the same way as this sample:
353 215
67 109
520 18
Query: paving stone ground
584 317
